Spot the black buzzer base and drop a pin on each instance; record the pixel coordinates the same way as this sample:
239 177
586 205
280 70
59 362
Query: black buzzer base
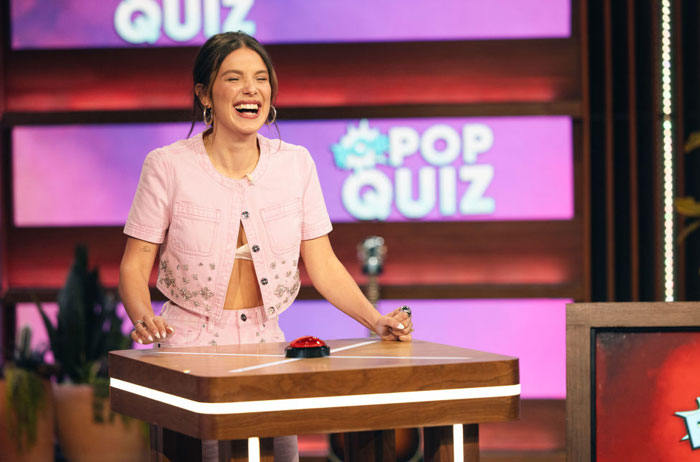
308 352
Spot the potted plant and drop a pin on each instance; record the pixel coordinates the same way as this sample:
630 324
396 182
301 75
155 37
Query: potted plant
26 405
87 329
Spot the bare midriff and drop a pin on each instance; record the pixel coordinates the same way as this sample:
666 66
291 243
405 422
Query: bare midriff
243 290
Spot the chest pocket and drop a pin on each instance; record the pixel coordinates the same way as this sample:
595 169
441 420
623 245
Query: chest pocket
283 226
193 228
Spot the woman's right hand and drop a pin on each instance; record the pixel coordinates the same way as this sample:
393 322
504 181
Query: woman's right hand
151 329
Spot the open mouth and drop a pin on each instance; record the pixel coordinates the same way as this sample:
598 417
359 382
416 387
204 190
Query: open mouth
248 109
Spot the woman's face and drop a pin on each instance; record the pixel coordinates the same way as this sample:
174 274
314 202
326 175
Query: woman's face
241 93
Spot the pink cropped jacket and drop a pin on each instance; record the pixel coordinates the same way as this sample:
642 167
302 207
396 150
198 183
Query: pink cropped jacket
183 203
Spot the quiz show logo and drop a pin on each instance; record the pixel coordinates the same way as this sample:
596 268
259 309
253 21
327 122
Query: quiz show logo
692 424
143 21
369 192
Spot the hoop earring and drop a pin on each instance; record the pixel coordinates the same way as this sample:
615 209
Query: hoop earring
208 116
273 112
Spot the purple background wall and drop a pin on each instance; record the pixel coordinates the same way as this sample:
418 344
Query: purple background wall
91 24
86 175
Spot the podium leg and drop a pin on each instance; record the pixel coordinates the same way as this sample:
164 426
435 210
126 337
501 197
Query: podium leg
156 450
267 450
181 448
225 451
439 445
370 446
239 451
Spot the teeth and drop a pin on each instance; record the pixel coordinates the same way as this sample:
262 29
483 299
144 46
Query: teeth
247 106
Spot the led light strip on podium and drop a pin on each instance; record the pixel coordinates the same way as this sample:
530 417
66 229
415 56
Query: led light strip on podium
324 402
244 392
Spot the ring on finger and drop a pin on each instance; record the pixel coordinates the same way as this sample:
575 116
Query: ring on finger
406 309
138 321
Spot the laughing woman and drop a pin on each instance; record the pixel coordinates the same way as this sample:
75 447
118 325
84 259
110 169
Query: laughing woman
230 212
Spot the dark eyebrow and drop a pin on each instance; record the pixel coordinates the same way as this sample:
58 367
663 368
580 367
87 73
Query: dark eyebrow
234 71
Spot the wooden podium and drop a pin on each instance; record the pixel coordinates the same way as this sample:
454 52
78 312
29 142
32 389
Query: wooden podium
250 393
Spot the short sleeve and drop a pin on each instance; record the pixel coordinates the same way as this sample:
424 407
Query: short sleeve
315 220
149 216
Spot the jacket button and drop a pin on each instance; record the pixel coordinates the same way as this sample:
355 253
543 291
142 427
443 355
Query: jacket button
245 214
263 281
255 248
243 317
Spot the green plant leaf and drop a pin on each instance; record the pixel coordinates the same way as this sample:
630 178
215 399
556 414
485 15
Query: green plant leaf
88 326
25 398
50 329
687 206
693 142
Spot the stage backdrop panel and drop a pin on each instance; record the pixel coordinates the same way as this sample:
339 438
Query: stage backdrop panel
530 329
647 394
428 169
120 23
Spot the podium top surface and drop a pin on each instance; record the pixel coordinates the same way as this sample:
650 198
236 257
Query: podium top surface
356 366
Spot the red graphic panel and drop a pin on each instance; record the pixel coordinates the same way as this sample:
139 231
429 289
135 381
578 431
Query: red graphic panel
642 380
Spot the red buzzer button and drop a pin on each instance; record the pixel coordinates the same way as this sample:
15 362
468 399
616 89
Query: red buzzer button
307 342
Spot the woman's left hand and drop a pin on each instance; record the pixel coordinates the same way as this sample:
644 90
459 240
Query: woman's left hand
396 325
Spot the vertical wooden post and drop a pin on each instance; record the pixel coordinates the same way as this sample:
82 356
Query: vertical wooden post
470 438
267 450
8 311
225 451
239 450
156 443
180 448
370 446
